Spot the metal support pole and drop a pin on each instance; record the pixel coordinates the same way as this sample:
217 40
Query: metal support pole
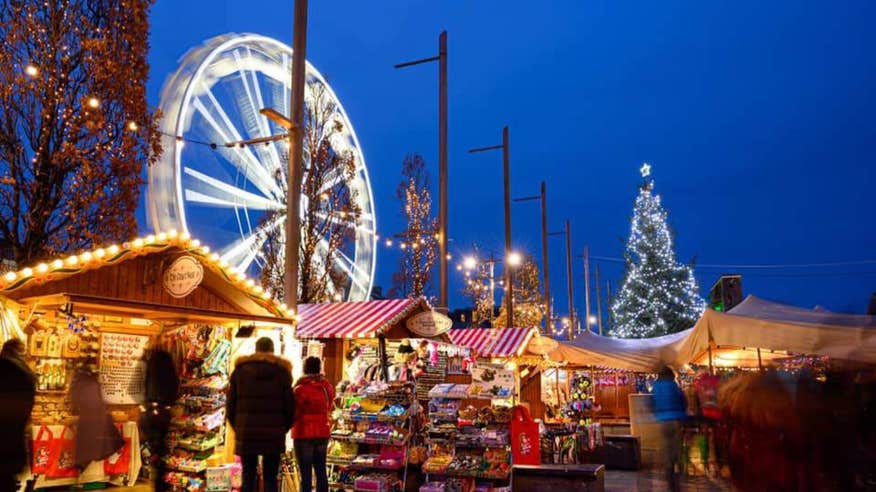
509 278
608 302
587 288
759 361
442 161
492 288
711 368
544 261
598 302
569 279
442 168
296 155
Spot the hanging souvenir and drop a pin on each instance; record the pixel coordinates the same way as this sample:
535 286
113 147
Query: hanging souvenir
38 344
72 345
54 345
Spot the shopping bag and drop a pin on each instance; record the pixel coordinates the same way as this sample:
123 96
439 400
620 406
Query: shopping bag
119 462
41 446
63 450
524 438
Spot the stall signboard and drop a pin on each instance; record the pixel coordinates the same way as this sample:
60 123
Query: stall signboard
314 349
122 368
429 324
492 380
183 276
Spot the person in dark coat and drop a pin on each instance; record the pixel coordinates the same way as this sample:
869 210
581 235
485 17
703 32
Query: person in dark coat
17 393
162 390
314 398
97 438
260 408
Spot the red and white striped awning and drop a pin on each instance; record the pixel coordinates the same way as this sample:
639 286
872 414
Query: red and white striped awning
365 319
493 342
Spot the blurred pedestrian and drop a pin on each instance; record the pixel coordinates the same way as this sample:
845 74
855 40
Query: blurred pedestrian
765 443
314 398
97 437
670 409
260 409
17 393
162 390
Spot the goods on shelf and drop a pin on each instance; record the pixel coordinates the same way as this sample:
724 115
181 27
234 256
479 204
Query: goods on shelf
466 443
198 417
371 436
568 445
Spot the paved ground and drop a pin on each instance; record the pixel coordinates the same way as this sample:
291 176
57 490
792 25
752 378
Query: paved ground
643 481
615 481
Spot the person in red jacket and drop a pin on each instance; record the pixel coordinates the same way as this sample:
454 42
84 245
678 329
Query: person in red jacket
314 398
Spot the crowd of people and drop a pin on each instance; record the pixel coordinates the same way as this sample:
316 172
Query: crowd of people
777 430
263 406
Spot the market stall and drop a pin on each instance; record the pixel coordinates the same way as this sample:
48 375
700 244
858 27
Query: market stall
97 314
384 356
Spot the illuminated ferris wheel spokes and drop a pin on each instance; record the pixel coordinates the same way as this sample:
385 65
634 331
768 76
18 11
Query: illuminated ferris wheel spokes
234 197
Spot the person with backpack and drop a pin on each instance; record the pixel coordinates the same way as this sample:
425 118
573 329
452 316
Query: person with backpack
314 398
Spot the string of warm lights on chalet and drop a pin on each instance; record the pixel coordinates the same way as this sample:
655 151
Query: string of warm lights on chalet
96 258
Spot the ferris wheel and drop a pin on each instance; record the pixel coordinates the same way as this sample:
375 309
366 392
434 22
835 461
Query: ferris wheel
234 197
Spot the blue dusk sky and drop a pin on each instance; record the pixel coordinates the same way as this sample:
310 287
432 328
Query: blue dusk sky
756 116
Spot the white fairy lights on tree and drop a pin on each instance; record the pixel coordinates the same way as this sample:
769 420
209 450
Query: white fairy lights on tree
658 295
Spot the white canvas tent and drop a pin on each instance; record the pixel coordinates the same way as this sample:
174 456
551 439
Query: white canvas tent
755 323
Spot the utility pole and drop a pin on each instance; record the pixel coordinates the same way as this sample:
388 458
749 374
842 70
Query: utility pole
608 302
296 154
506 168
442 161
544 254
598 302
569 278
587 287
568 233
548 328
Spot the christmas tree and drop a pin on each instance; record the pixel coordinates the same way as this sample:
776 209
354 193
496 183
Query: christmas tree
528 301
658 295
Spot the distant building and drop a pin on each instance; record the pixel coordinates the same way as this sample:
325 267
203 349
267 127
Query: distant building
871 309
726 293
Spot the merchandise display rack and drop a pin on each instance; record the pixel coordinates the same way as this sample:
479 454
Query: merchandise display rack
197 429
371 436
466 443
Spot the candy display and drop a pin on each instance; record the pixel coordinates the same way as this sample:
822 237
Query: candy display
465 441
371 436
198 417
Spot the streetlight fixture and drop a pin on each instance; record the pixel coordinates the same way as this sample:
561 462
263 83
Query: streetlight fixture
515 259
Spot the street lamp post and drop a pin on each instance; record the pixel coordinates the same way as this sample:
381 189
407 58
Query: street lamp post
544 254
569 285
506 167
295 126
442 160
296 154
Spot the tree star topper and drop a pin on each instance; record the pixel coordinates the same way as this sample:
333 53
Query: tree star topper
645 170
